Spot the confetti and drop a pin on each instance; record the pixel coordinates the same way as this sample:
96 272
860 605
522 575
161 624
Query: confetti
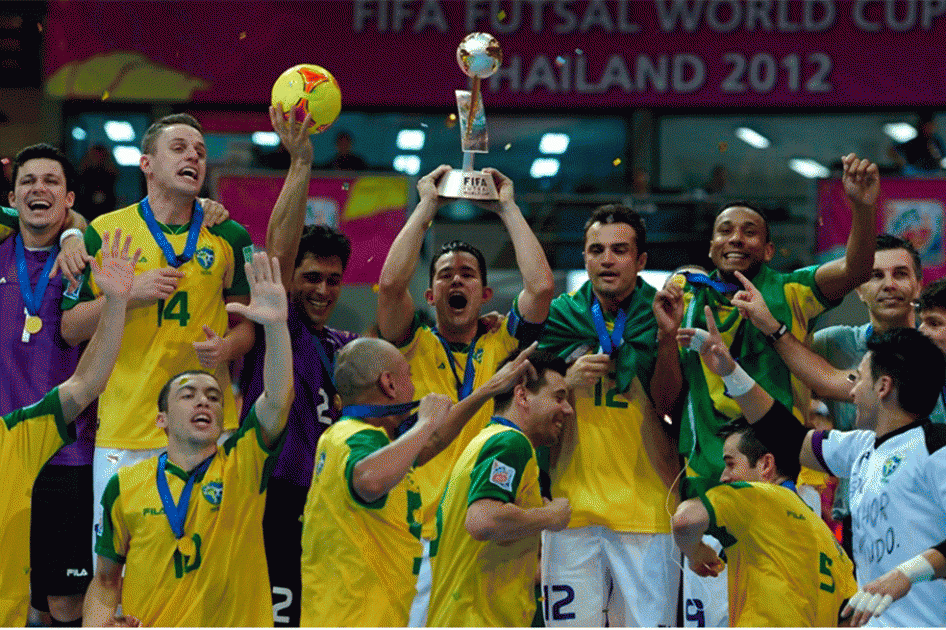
370 258
452 116
501 15
346 186
105 95
424 125
723 147
616 162
39 27
376 287
560 61
508 146
5 160
243 35
578 51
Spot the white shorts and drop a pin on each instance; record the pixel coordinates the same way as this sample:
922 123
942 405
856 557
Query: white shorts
105 463
705 599
421 603
592 576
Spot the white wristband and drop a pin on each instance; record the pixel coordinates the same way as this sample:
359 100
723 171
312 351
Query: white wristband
917 569
696 341
738 382
70 232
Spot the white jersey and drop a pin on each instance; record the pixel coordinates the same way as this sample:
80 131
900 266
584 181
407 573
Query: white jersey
898 507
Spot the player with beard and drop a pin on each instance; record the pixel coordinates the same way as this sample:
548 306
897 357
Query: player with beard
459 353
615 463
177 318
312 259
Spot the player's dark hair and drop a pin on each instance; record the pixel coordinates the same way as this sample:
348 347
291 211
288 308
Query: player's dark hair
889 241
616 213
753 448
458 246
542 361
932 296
151 135
47 151
322 241
745 204
165 392
914 363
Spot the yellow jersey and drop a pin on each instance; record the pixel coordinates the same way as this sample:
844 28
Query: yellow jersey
223 580
359 560
785 566
158 338
28 438
486 584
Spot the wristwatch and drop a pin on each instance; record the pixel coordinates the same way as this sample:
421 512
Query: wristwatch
777 334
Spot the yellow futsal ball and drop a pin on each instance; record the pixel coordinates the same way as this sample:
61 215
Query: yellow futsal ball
309 89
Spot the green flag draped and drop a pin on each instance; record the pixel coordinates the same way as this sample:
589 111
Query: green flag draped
569 327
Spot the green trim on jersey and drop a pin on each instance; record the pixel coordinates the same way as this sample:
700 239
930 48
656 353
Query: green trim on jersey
720 533
93 243
251 422
239 240
48 405
360 446
516 452
105 538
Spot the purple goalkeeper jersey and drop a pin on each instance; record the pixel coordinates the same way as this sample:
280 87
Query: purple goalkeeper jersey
30 369
312 410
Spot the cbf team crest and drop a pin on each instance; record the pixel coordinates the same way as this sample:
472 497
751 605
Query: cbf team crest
890 466
204 257
213 492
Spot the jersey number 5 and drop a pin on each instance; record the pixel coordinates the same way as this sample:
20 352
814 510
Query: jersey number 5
825 569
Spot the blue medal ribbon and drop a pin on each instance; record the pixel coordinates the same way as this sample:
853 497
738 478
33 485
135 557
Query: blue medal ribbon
608 343
705 280
506 422
32 298
464 387
328 364
177 514
381 411
193 232
788 483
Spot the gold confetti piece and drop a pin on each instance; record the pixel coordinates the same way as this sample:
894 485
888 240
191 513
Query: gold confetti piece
375 287
616 162
39 27
501 15
105 95
723 147
243 35
452 116
508 146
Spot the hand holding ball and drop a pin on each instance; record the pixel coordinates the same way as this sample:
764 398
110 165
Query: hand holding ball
308 89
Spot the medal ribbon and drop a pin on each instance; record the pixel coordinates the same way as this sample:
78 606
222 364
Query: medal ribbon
192 233
506 422
177 514
380 411
465 387
609 343
328 364
705 280
32 298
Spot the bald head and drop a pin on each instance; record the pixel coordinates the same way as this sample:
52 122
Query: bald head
360 364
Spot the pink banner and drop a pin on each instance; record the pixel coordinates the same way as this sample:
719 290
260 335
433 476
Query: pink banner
368 209
557 53
909 208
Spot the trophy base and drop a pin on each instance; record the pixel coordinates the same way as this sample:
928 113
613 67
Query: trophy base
475 185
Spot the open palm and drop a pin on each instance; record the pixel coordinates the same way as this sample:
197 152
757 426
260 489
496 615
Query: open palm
115 275
268 303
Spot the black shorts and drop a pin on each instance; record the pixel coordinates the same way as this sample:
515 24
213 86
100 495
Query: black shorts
282 535
60 527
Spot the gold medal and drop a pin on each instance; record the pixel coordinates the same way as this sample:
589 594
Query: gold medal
186 546
679 280
33 324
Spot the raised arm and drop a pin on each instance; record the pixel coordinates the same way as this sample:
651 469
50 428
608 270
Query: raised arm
114 277
772 420
395 304
268 306
460 413
375 475
862 185
490 519
287 220
666 385
538 285
811 368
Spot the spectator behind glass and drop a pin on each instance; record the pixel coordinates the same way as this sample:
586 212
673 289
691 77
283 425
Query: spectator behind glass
922 154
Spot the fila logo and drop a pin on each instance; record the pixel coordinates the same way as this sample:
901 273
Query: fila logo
77 573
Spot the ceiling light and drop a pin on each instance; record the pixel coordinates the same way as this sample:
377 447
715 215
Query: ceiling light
554 143
544 167
808 168
408 164
78 133
265 138
119 130
410 139
126 155
752 137
900 131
